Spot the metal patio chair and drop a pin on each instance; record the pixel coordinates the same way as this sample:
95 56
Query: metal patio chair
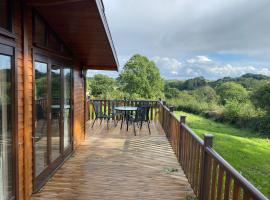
141 116
99 113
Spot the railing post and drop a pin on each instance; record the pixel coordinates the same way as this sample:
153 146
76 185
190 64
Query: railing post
125 101
182 121
204 185
171 108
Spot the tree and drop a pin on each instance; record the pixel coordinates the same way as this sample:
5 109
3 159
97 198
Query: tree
194 83
232 91
206 94
141 78
261 97
102 86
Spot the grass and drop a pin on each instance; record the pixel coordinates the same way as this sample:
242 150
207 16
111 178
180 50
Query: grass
245 150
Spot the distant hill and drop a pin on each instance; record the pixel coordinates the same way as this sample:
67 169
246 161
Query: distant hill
249 81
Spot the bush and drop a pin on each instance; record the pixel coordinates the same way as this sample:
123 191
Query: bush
261 97
232 91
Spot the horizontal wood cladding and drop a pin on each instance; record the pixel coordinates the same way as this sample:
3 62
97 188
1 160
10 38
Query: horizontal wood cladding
20 97
23 42
24 79
78 111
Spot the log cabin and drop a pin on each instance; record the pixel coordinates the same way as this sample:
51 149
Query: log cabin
46 46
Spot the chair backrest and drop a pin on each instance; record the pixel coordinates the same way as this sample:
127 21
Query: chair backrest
142 113
40 112
97 108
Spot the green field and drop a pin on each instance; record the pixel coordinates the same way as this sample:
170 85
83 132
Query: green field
245 150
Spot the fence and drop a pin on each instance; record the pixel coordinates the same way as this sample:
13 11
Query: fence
107 105
210 176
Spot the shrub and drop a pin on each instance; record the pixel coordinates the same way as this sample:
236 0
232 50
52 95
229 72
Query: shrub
232 91
261 97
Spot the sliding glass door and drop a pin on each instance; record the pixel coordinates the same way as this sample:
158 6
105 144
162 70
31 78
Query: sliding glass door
67 107
6 129
52 139
41 117
55 111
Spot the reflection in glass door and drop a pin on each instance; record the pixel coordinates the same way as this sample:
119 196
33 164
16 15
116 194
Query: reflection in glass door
41 125
67 107
55 111
6 138
52 135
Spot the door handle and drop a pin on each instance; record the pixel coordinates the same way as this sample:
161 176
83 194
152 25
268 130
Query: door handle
34 139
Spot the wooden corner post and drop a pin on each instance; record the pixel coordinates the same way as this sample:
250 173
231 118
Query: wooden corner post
180 153
205 168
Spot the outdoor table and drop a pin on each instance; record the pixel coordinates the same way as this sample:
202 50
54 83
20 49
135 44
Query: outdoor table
126 109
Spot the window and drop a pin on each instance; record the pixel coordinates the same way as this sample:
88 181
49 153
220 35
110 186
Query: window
41 104
6 136
5 16
44 36
67 107
39 31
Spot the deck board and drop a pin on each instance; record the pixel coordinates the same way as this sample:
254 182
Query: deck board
115 164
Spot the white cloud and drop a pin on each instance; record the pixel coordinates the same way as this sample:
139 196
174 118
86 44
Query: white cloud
230 70
203 66
169 67
199 60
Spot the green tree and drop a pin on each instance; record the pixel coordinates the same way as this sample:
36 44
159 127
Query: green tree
141 78
261 97
102 86
232 91
206 94
194 83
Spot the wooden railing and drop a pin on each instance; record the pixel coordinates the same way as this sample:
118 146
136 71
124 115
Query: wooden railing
107 105
210 176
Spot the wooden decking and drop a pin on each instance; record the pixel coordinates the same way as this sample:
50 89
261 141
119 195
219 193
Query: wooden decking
114 164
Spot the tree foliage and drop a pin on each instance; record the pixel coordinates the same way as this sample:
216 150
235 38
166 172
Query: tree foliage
232 91
102 86
206 94
141 78
261 97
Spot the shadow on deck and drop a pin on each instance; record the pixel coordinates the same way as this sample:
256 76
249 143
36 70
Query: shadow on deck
115 164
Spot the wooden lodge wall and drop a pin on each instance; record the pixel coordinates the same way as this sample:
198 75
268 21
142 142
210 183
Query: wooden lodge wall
23 42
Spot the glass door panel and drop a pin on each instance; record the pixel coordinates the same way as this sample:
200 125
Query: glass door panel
41 123
67 107
6 141
55 111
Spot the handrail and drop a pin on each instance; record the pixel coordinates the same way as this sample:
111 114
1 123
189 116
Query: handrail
254 192
210 175
106 105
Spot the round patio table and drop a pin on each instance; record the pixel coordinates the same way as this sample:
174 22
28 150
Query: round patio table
126 109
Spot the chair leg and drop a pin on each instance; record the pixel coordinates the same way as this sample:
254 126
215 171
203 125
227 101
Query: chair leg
94 122
108 123
122 123
134 128
101 121
149 127
141 126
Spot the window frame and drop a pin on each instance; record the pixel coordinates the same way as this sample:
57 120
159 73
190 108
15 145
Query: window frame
10 31
9 50
63 49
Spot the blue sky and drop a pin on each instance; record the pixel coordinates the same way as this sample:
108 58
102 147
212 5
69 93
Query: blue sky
189 38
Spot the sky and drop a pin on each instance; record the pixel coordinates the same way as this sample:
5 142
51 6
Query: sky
190 38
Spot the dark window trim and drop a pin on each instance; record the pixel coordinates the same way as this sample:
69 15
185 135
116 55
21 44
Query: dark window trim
49 30
10 31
